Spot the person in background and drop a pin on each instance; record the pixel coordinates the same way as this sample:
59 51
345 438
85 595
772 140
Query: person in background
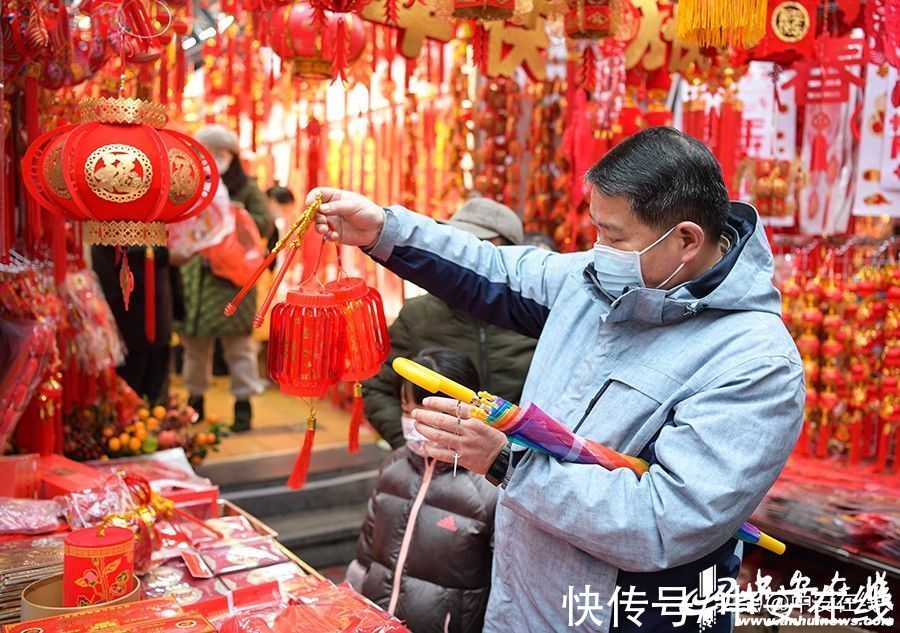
146 367
281 201
501 356
540 240
440 580
206 295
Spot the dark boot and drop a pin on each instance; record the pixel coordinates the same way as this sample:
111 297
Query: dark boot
196 402
242 416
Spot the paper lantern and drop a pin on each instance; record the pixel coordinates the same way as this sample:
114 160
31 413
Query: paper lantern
306 356
368 345
318 44
121 172
98 565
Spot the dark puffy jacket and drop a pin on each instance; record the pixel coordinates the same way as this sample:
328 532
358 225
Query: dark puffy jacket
448 566
501 356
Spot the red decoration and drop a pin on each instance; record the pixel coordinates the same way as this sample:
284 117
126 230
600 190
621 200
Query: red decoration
484 10
318 44
589 19
98 565
826 76
790 31
892 32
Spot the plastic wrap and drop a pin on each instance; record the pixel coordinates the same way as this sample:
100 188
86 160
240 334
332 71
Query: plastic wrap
26 350
94 505
29 516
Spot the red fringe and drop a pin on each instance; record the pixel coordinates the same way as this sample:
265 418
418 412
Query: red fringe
149 294
301 466
180 73
356 418
587 74
164 76
855 441
822 437
884 438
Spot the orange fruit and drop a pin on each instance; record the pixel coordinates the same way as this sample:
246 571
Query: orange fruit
108 431
141 425
135 445
143 413
200 438
213 418
141 434
196 460
114 444
211 438
152 424
129 428
124 439
159 412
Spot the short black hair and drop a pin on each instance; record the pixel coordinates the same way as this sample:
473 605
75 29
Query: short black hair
449 363
281 195
668 177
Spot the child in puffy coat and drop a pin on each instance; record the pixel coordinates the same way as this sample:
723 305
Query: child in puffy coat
425 550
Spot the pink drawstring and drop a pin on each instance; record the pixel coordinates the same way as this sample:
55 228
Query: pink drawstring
408 533
447 623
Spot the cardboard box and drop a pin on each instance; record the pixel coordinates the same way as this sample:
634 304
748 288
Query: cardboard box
60 476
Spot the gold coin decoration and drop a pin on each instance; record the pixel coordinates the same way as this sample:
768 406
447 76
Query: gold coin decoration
790 21
118 173
185 176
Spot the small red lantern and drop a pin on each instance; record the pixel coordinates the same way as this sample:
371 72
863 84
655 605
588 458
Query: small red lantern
98 565
307 344
318 44
589 19
368 345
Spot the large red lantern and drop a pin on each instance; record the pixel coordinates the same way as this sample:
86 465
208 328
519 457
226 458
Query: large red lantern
121 173
318 44
589 19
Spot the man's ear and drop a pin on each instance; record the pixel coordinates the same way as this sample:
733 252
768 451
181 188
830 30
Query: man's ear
692 238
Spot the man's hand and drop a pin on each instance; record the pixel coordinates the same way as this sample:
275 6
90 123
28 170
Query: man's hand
347 216
477 443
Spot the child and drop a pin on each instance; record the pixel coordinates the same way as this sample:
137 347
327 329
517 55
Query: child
425 550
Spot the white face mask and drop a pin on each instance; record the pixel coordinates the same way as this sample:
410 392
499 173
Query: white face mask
617 269
414 440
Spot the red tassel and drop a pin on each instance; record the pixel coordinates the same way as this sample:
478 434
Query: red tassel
356 418
164 76
126 278
180 74
479 44
897 451
883 440
855 441
301 466
150 294
58 237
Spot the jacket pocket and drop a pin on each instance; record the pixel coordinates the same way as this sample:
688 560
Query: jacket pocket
628 408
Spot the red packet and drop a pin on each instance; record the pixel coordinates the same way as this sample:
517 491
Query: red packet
173 581
226 559
232 528
60 476
191 623
196 564
289 576
120 616
243 600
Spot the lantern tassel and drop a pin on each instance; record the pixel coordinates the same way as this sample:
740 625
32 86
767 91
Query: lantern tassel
301 466
149 294
737 23
126 278
356 418
823 436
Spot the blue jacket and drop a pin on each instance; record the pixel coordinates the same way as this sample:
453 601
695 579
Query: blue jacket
703 380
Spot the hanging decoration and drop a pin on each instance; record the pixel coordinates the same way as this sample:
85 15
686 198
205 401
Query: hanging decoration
872 198
737 23
318 44
790 31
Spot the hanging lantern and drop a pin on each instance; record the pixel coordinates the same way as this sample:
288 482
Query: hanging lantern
318 44
307 343
121 173
589 19
368 345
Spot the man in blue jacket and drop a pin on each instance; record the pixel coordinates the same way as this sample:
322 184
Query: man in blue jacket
664 341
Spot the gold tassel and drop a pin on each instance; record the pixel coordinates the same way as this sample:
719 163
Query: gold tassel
737 23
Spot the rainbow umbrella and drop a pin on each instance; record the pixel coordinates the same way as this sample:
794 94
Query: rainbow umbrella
532 428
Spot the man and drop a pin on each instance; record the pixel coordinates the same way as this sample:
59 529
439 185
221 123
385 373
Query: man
501 356
664 342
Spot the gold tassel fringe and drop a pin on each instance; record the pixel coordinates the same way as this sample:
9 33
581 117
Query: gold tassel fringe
737 23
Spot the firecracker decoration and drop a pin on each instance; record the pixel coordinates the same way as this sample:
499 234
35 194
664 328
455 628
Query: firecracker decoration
845 327
773 185
737 23
498 176
318 44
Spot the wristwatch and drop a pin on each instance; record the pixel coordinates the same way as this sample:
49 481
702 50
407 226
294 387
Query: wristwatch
497 472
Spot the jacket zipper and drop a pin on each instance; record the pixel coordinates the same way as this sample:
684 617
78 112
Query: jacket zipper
485 369
592 404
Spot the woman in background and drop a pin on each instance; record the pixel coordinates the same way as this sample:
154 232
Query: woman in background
206 295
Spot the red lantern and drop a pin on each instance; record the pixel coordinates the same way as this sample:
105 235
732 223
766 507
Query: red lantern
367 341
119 171
317 49
306 356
